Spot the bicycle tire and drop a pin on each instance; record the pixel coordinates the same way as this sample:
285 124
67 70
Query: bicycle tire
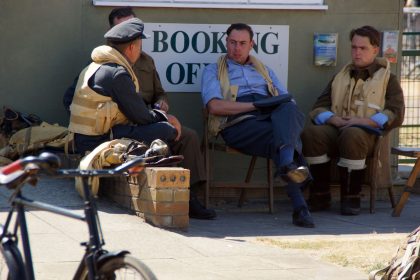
123 267
11 262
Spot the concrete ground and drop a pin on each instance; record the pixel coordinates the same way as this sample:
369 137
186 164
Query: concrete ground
224 248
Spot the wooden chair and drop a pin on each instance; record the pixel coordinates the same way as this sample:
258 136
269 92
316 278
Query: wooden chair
212 144
378 171
408 152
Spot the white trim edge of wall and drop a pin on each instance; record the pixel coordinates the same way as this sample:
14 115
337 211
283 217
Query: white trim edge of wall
214 6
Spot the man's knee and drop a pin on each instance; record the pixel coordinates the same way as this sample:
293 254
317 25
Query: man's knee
166 131
352 135
355 144
189 135
318 140
289 111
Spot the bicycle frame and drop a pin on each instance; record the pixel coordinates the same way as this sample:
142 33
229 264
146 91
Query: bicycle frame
25 170
93 246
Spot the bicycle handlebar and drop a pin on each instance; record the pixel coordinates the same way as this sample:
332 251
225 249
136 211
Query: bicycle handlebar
47 161
50 163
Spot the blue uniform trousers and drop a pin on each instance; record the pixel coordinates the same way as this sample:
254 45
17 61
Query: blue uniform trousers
266 134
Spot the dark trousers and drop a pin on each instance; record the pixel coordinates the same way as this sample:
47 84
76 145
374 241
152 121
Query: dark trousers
265 134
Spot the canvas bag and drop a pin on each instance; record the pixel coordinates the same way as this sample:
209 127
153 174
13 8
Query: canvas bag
405 264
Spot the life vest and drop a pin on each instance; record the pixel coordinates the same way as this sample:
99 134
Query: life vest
92 113
230 92
360 98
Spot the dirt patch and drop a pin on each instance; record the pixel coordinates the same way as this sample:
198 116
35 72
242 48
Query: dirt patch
365 253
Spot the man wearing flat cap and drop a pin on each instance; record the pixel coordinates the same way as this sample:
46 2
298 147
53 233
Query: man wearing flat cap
107 103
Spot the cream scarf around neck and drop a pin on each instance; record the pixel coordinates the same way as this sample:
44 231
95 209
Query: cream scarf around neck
106 54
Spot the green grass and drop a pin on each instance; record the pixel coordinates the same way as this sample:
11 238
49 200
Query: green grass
364 254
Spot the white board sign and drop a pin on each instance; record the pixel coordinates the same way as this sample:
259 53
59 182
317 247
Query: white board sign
181 51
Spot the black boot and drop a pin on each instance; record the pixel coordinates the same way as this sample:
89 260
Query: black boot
197 210
302 218
319 189
350 206
351 185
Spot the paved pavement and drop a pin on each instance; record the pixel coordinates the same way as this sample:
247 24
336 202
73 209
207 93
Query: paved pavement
224 248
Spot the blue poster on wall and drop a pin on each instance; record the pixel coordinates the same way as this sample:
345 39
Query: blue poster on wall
325 49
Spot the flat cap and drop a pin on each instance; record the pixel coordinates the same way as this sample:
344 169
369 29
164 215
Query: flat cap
126 31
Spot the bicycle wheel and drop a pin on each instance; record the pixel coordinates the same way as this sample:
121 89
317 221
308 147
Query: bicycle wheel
122 267
125 267
11 262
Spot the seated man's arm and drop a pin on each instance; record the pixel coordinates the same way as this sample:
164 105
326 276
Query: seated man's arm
117 84
394 104
321 111
224 108
131 103
211 94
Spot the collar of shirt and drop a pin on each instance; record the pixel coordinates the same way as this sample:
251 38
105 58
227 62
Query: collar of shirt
246 78
365 72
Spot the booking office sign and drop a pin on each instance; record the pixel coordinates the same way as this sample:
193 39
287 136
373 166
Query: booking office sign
181 51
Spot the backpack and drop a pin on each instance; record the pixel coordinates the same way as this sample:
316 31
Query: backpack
405 265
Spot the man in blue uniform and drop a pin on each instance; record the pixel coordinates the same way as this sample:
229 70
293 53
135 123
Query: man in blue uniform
232 89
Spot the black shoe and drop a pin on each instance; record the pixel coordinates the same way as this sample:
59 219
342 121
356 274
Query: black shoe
350 206
302 218
319 202
293 173
198 211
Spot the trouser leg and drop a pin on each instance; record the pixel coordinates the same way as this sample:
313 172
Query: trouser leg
355 145
251 137
189 146
146 133
319 144
319 188
350 187
255 137
287 124
294 192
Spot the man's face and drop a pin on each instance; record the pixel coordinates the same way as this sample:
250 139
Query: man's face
136 50
363 53
121 19
238 45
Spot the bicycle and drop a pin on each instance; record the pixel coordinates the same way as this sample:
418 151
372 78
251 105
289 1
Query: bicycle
97 263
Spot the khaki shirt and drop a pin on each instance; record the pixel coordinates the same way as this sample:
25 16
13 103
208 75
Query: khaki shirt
151 88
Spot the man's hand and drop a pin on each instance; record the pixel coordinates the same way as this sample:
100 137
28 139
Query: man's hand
344 122
163 105
360 121
337 121
174 121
